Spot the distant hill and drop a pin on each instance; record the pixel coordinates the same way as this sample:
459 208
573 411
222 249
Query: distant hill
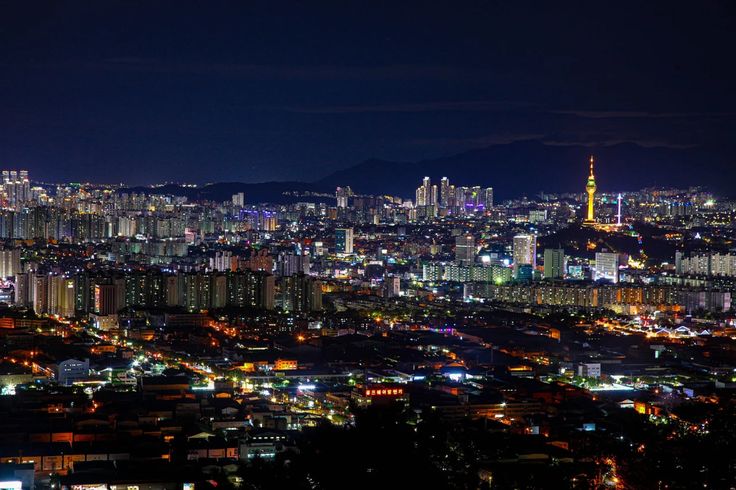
513 170
527 167
276 192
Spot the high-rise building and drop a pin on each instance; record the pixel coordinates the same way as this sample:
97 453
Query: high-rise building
61 296
606 266
16 186
460 198
40 293
525 251
419 197
344 240
22 293
554 263
9 262
126 226
267 221
288 264
678 262
469 200
488 198
172 287
223 261
265 290
451 201
342 194
424 193
464 249
257 260
218 291
444 192
239 199
476 197
302 293
105 299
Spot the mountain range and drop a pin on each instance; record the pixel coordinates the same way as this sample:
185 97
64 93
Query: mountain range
513 170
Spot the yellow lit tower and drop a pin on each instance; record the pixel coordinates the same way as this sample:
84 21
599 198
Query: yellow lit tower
590 188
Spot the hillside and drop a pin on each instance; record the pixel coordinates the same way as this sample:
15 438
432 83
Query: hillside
525 168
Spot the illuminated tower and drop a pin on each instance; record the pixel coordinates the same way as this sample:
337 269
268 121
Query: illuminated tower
590 188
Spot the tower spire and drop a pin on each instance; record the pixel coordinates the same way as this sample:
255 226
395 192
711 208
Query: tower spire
591 165
590 189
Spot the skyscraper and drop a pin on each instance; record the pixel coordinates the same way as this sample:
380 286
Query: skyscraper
525 251
239 199
342 194
344 240
554 263
433 195
424 193
16 186
444 192
488 197
9 262
420 197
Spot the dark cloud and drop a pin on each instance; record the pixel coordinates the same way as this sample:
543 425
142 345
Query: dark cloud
481 141
609 142
429 106
613 114
253 91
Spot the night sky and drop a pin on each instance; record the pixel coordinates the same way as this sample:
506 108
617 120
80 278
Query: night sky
141 91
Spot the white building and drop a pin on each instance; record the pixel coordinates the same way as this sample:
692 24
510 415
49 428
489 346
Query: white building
222 261
589 369
715 264
525 250
239 199
606 266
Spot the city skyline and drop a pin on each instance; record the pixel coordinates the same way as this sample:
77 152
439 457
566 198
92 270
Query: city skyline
477 245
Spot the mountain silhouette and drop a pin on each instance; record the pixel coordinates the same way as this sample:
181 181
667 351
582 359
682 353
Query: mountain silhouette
528 167
513 170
